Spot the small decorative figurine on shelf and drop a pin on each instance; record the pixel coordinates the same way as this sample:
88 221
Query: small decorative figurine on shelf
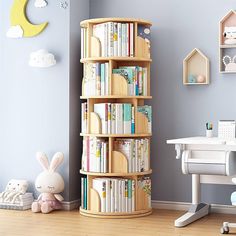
229 63
192 79
230 35
201 79
50 184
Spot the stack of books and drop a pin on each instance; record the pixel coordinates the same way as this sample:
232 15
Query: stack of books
96 79
95 155
117 39
116 118
117 195
136 78
147 111
136 152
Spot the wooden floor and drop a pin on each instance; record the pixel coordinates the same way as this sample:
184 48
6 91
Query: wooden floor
72 223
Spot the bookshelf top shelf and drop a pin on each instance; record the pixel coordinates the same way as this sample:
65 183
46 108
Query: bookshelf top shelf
116 174
118 135
90 59
115 97
114 19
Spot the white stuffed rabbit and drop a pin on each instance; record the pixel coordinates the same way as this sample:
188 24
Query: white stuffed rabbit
49 183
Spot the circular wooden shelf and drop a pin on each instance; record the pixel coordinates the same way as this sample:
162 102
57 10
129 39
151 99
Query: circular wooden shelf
115 97
116 174
117 135
95 59
114 19
116 215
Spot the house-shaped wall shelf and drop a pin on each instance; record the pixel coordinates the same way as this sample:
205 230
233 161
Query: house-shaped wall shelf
229 20
196 68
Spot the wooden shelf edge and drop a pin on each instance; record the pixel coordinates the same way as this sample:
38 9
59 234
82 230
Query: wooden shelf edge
222 46
115 97
84 60
116 174
195 83
118 135
116 214
84 23
227 72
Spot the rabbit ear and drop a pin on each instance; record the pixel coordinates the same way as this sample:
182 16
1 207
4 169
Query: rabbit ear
43 160
56 161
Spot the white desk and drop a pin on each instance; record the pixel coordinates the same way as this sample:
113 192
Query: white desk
203 157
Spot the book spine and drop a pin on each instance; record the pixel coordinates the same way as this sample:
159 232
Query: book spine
127 118
107 82
109 119
131 39
129 195
136 156
140 80
126 195
112 195
120 195
110 39
133 121
115 39
88 153
85 194
144 81
82 192
113 118
103 200
105 158
123 195
123 40
133 195
116 196
142 167
128 39
105 40
98 79
98 156
108 195
119 40
102 158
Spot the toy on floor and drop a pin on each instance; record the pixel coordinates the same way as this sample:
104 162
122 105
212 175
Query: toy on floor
226 225
230 35
50 184
15 196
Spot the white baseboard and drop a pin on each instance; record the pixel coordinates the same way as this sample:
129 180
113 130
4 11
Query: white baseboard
69 206
184 206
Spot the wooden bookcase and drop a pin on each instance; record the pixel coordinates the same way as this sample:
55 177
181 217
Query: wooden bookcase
117 161
229 20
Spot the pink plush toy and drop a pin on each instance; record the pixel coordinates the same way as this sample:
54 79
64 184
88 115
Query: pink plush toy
49 183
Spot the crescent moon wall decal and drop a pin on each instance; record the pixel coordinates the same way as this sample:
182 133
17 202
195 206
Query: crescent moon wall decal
18 18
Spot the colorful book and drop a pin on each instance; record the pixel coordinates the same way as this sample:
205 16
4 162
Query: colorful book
127 118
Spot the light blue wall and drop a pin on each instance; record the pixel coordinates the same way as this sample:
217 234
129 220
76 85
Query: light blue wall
180 111
35 103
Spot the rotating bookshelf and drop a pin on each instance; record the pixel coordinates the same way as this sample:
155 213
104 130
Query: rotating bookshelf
115 122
